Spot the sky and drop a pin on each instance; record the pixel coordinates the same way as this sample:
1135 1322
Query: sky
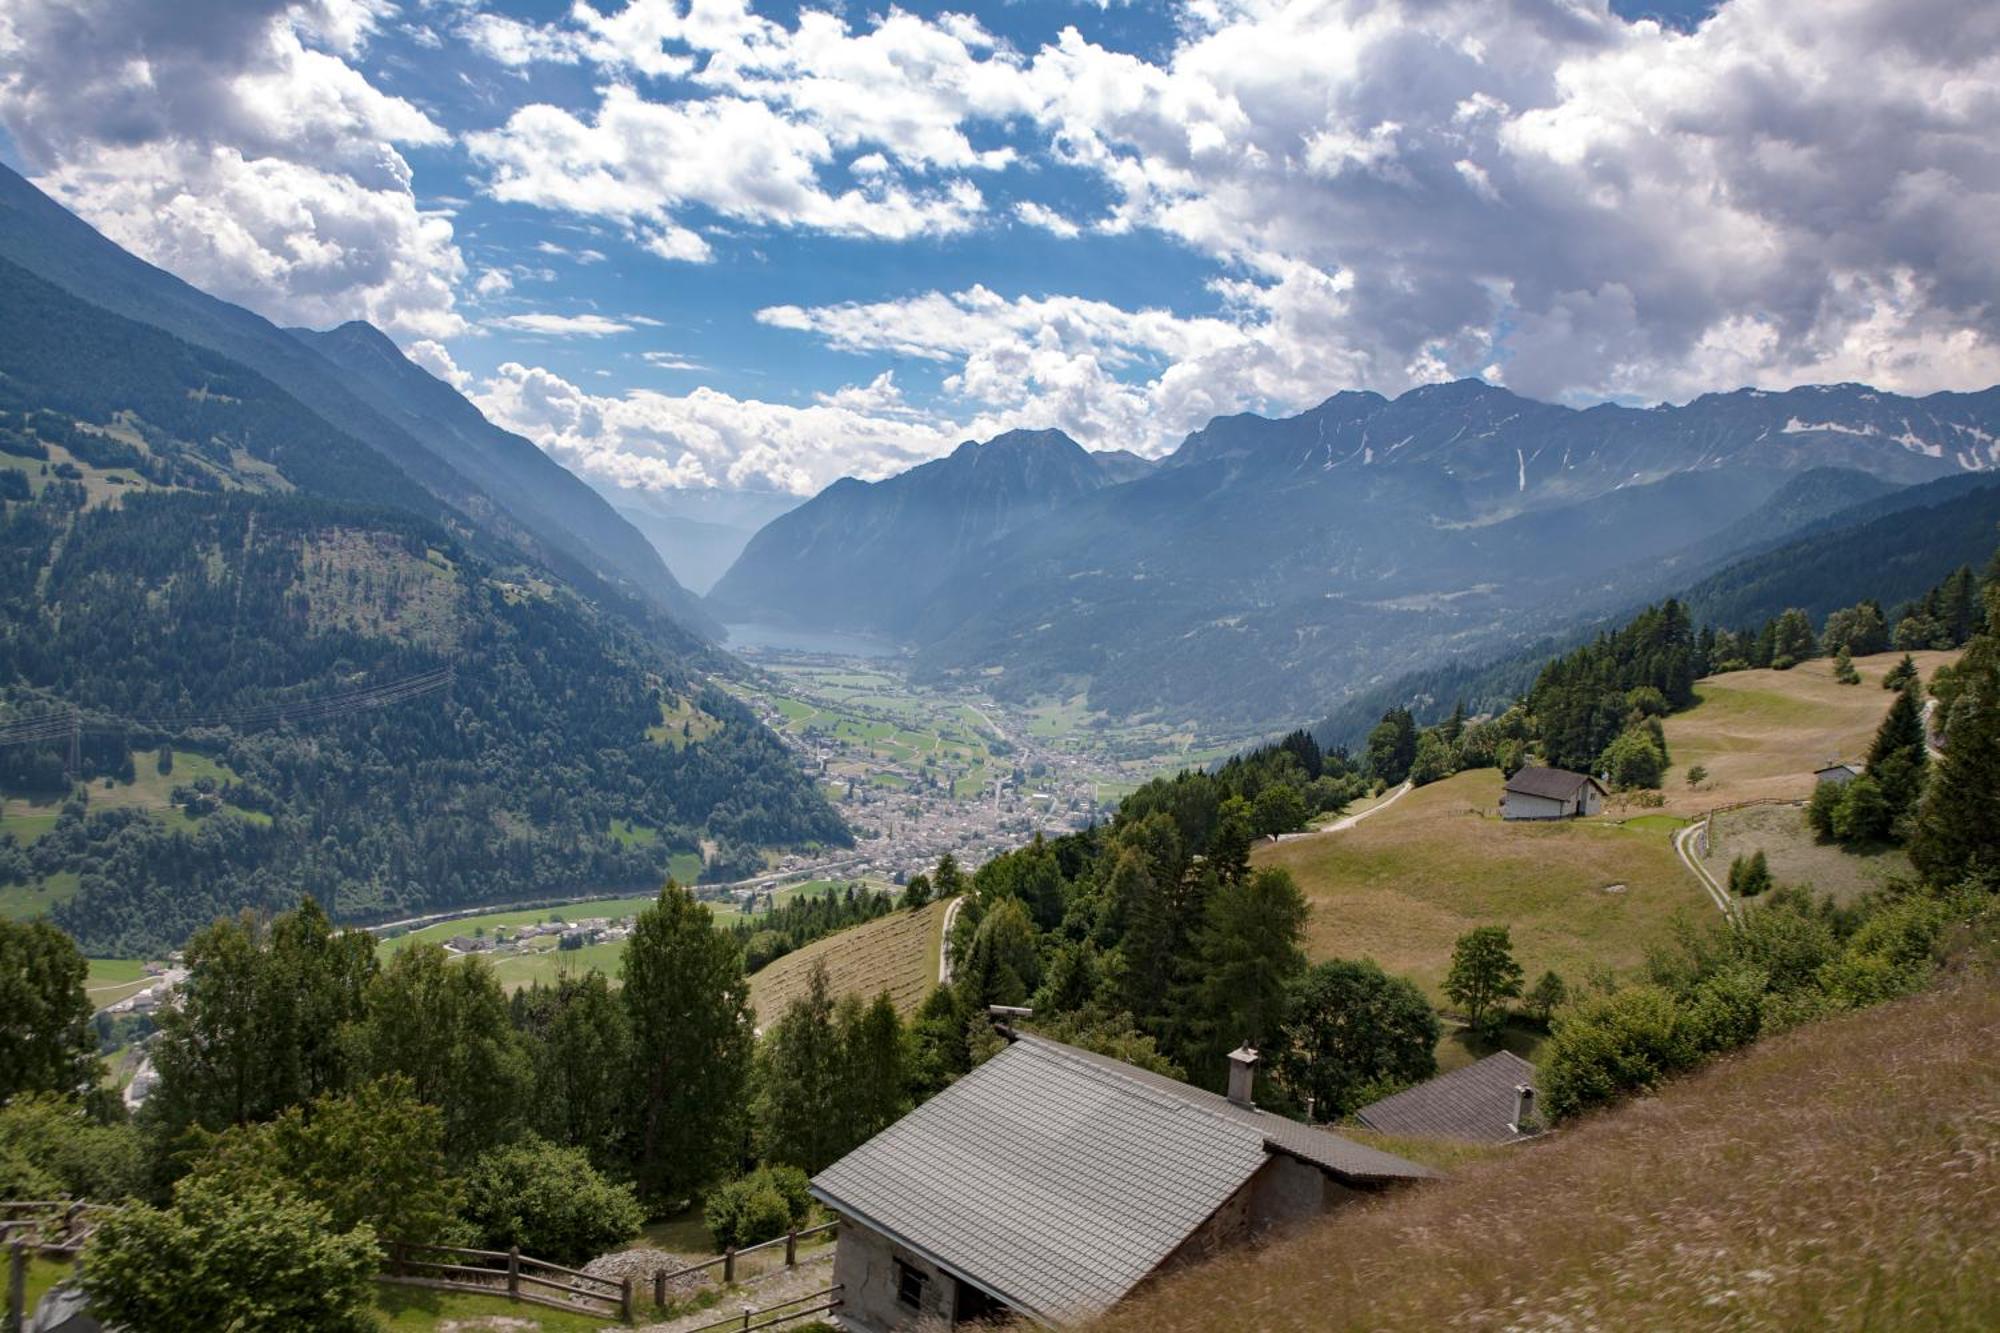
710 243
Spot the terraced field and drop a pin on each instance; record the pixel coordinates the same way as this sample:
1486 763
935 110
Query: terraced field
897 953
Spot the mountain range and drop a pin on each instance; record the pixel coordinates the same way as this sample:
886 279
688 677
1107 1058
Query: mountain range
224 544
1268 568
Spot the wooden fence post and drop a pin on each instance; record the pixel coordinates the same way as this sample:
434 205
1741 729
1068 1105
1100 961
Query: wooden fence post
729 1266
17 1287
792 1248
513 1272
625 1298
748 1311
659 1288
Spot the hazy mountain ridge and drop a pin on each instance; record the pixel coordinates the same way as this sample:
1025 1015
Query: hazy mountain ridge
1269 566
870 555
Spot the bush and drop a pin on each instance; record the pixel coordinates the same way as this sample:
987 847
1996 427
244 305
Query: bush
1607 1047
50 1145
761 1206
549 1201
252 1262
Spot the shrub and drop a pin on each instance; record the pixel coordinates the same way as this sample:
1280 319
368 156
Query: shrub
761 1206
1609 1046
254 1262
549 1201
746 1211
50 1145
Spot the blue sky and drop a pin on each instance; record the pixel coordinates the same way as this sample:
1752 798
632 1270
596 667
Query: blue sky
760 246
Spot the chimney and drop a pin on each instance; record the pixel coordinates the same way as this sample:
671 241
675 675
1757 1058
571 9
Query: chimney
1524 1109
1242 1074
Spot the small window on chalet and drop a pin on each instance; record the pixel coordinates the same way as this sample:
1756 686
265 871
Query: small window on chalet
910 1285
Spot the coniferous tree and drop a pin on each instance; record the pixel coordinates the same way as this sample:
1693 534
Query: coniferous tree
579 1048
692 1038
875 1063
1249 952
801 1120
1898 755
443 1023
1955 833
1392 746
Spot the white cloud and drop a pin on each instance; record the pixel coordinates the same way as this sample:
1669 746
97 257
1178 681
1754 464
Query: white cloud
1642 211
707 438
237 147
1041 215
642 163
436 358
564 326
493 282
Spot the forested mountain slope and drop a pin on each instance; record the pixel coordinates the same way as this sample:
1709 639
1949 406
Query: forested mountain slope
499 490
182 543
1270 565
873 556
510 468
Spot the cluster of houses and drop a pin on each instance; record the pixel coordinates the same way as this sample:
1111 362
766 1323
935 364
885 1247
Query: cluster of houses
569 935
1051 1182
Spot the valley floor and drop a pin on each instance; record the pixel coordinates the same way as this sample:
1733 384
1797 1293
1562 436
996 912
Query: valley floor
1836 1177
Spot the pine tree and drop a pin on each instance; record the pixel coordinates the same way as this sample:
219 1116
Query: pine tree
1902 675
800 1078
1956 832
1249 950
1897 758
691 1026
1843 668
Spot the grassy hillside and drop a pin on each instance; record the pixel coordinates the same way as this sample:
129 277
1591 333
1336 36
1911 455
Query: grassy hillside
1761 734
1833 1178
897 953
1402 886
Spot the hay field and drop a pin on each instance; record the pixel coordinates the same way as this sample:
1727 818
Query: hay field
1796 856
1402 886
1761 734
897 953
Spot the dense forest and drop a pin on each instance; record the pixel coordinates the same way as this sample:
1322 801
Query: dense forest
502 785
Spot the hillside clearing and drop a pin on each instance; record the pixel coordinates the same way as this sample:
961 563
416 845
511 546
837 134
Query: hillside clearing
1796 856
1760 734
1403 885
1836 1177
897 953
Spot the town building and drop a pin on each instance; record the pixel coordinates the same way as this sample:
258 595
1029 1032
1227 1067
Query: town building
1051 1181
1551 793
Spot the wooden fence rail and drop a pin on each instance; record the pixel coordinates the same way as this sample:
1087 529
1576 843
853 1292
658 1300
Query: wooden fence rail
776 1313
506 1273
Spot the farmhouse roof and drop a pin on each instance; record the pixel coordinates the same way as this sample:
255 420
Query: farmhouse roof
1476 1103
1055 1179
1555 784
1839 766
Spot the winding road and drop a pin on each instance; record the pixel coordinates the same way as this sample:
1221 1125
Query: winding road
1349 821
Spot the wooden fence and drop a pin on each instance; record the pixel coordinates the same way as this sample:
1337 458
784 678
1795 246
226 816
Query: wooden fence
59 1229
778 1312
518 1277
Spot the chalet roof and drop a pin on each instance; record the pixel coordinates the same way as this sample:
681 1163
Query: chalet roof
1555 784
1475 1104
1056 1180
1839 766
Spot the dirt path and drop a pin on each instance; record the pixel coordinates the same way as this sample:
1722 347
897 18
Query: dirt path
944 941
1349 821
1683 848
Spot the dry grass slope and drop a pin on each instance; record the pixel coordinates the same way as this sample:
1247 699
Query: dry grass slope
1838 1177
897 953
1402 886
1760 734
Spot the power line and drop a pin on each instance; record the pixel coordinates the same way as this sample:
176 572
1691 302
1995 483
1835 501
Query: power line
68 723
